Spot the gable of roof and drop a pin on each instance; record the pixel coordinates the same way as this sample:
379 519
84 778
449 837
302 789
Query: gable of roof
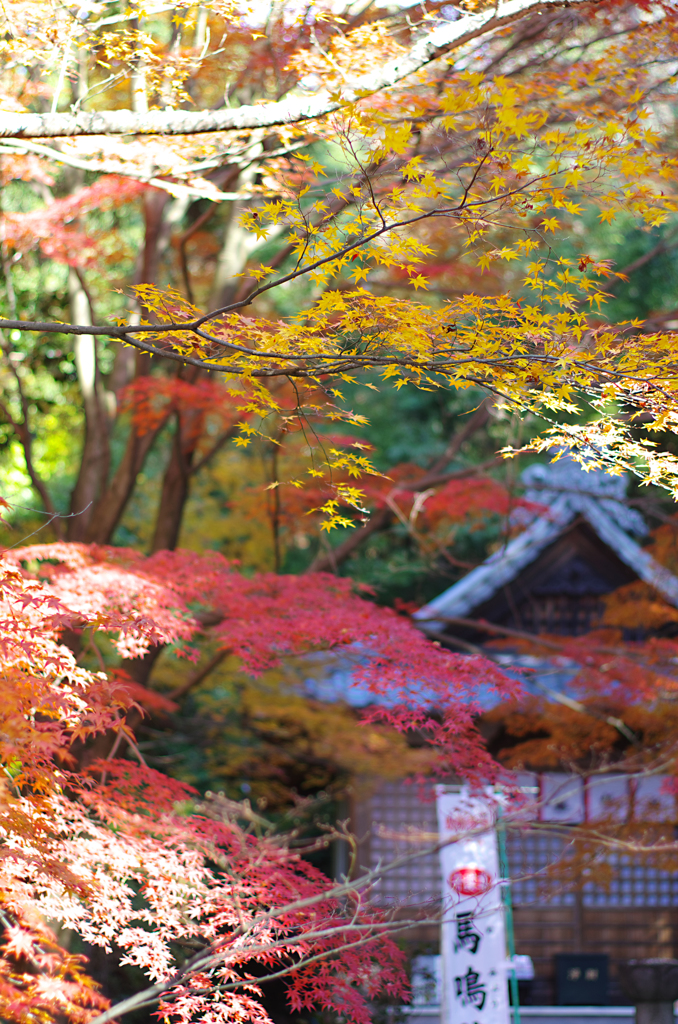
569 493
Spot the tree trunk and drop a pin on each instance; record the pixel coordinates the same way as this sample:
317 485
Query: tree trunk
109 510
155 230
95 461
175 486
113 498
237 247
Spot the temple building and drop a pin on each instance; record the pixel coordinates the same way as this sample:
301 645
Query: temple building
579 542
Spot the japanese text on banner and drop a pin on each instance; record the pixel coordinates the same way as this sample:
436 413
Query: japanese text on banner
473 934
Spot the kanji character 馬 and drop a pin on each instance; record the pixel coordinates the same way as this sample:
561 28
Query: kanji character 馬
467 936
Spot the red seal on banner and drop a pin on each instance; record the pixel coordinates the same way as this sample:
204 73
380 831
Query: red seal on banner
470 881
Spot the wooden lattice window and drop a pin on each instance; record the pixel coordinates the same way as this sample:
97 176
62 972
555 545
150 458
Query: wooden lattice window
401 818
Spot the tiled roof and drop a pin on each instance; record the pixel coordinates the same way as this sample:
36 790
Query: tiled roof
567 492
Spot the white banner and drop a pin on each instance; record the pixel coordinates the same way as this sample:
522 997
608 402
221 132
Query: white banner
473 936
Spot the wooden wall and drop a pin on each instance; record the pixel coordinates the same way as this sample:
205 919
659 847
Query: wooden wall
623 933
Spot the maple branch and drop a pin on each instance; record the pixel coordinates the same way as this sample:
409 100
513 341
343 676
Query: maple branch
476 421
293 110
427 547
127 332
232 174
302 269
335 205
152 995
198 676
174 188
330 560
223 439
665 245
576 705
215 953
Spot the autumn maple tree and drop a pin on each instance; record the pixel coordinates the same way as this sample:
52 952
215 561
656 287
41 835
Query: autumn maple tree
133 859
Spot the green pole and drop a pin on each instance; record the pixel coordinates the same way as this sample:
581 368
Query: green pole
508 913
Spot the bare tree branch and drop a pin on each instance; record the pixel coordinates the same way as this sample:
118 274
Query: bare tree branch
476 421
328 561
197 677
174 188
291 110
